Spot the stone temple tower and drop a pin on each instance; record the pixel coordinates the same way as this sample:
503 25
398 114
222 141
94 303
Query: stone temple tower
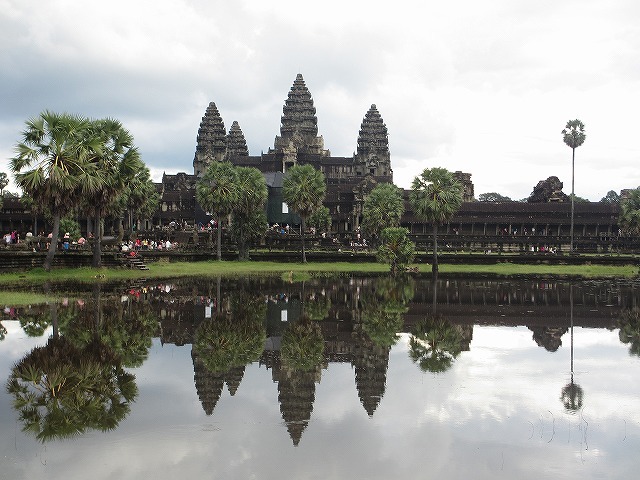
372 156
236 143
299 125
211 143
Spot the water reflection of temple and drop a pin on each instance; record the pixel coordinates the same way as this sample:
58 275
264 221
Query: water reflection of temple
353 314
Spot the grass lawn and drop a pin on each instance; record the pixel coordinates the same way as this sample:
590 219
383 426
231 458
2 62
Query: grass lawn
233 268
287 271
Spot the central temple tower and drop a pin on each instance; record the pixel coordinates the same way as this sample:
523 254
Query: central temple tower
299 125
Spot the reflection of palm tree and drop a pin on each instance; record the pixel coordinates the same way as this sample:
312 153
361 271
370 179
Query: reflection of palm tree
125 328
572 394
61 390
383 308
435 344
35 324
224 345
302 345
222 342
316 307
629 324
235 339
3 332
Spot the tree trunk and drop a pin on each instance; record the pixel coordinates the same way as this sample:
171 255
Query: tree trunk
120 230
219 239
304 254
48 261
434 265
434 280
97 242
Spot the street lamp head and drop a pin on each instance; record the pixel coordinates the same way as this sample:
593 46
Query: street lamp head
573 134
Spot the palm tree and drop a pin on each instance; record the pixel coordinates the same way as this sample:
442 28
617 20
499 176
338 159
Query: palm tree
139 200
435 197
630 213
396 249
252 195
51 166
117 160
303 189
573 136
217 192
383 208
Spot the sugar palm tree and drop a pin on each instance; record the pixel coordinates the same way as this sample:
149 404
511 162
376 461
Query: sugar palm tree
396 249
382 208
573 136
435 197
51 166
252 195
217 192
303 189
116 160
138 201
630 213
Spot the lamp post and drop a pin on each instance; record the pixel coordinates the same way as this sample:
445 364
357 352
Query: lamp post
573 136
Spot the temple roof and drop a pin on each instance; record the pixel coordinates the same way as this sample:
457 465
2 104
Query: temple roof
299 124
236 143
212 133
373 135
298 111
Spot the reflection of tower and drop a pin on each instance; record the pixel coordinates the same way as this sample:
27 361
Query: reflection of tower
296 394
548 337
370 362
233 378
209 385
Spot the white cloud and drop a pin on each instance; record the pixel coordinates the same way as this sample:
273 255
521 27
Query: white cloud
480 87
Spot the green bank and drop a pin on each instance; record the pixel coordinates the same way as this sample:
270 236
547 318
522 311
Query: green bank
234 268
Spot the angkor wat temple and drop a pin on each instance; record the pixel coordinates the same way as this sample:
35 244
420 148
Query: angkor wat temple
541 222
546 216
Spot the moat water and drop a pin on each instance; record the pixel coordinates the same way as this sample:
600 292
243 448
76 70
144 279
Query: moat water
331 378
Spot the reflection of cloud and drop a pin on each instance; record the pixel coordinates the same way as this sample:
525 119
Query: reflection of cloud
495 414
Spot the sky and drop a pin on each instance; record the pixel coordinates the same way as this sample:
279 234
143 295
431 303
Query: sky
481 87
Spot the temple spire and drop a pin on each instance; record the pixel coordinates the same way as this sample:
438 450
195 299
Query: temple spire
299 124
236 143
373 157
211 142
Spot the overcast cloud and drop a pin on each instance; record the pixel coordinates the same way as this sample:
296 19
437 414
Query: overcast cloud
482 87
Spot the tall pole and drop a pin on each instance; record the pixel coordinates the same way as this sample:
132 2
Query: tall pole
573 167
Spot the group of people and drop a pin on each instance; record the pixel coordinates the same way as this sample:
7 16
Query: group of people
11 238
144 244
